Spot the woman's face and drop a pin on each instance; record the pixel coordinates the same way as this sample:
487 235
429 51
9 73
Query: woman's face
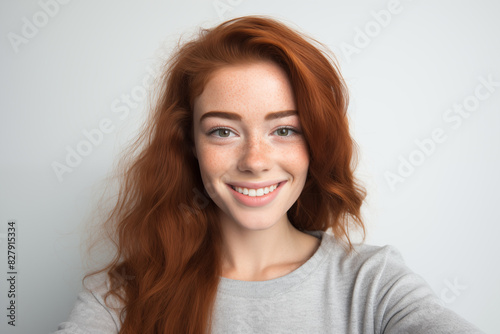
253 158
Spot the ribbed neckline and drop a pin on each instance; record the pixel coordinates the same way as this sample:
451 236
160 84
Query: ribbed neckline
276 286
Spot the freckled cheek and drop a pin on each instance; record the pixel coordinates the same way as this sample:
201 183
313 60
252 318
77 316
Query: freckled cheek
297 160
213 162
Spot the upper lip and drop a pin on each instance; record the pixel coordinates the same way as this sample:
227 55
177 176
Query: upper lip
254 185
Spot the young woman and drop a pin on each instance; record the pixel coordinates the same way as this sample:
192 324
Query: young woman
235 215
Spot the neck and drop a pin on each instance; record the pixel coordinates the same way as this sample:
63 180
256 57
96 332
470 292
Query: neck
255 255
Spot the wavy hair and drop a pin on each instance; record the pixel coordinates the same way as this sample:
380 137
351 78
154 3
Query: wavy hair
165 226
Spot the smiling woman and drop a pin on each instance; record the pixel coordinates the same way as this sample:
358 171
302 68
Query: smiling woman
253 156
253 115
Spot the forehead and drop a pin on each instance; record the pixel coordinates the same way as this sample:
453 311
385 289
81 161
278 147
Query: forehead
253 87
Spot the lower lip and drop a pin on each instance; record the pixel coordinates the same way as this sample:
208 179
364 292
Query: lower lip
256 201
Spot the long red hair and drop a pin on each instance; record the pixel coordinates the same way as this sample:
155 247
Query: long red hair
165 226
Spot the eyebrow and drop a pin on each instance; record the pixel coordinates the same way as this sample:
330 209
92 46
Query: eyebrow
237 117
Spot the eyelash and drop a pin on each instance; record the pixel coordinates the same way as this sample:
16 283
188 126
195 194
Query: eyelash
217 128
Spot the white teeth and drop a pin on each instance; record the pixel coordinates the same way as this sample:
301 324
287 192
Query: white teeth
256 192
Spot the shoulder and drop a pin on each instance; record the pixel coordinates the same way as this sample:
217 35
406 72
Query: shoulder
370 267
365 258
362 257
377 283
92 311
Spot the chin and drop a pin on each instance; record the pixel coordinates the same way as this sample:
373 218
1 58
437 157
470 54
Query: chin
256 222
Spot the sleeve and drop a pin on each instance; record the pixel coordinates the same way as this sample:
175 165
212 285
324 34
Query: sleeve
405 304
90 314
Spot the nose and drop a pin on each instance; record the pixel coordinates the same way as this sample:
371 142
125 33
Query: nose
255 156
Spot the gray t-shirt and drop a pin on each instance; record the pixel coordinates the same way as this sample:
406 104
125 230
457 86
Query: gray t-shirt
368 291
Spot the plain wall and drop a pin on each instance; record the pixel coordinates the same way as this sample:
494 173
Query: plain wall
423 114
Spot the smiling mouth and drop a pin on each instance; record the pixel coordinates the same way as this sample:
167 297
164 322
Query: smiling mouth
251 192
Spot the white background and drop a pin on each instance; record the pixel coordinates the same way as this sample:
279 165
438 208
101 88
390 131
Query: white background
73 72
